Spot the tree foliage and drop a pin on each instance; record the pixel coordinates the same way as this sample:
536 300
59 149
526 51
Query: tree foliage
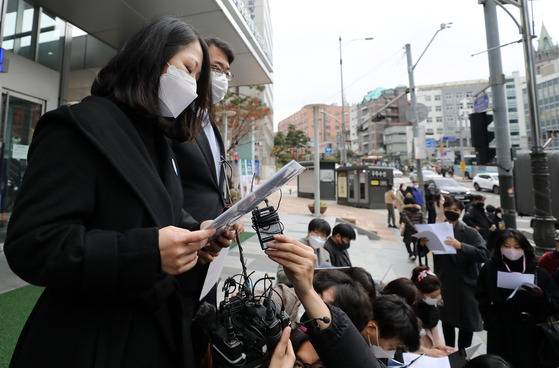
249 109
290 146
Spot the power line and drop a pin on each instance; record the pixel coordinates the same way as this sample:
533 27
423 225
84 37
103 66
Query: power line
364 75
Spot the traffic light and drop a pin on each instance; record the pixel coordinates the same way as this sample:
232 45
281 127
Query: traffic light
378 117
481 137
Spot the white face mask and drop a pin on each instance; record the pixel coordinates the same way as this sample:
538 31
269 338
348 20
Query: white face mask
177 90
498 215
416 186
219 86
512 254
431 301
378 351
316 241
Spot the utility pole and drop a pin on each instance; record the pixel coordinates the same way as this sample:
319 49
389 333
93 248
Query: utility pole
411 68
415 123
343 158
316 108
502 134
544 222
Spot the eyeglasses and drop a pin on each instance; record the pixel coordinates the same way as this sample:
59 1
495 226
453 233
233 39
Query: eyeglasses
219 71
307 365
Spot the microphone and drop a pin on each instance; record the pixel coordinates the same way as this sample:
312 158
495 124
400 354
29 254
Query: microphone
323 319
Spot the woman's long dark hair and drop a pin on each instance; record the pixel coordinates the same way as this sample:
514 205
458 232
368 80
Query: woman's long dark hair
132 76
502 237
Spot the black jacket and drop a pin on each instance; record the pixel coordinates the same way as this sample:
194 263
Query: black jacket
338 257
477 217
411 215
458 274
509 333
341 345
203 192
85 225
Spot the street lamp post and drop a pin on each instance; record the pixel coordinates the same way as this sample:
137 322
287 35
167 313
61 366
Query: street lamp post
411 68
315 108
343 154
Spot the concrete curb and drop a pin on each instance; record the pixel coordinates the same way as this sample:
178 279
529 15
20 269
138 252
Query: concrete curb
360 230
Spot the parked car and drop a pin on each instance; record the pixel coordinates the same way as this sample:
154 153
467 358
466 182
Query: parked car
427 174
449 186
397 173
487 181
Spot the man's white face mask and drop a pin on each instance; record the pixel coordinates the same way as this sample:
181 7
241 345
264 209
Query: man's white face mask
177 90
219 86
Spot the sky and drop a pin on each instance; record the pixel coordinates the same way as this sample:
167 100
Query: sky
307 57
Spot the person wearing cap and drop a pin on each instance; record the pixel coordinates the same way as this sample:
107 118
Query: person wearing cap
477 218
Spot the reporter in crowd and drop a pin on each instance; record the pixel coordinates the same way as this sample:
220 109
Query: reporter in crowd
98 220
317 235
510 319
429 295
458 274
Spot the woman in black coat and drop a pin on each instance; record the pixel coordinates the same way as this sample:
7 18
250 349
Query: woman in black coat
511 323
410 216
458 274
98 220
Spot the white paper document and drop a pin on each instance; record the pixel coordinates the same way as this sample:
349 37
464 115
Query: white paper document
214 271
236 212
253 199
426 362
436 234
509 280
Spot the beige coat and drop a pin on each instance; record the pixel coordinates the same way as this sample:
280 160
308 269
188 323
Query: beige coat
389 197
431 339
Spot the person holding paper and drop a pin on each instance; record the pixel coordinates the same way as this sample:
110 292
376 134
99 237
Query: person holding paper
99 221
510 314
458 274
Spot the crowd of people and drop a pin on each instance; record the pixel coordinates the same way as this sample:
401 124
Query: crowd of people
110 219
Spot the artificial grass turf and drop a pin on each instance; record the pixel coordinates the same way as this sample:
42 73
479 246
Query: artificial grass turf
244 236
15 307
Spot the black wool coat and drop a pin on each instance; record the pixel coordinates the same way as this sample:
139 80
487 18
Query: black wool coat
511 325
458 274
338 257
85 225
341 344
203 192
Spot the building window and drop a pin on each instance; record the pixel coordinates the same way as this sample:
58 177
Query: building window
511 97
438 108
469 94
514 133
429 108
448 96
439 119
337 113
402 108
510 86
327 127
513 109
449 108
429 120
427 98
437 97
20 29
458 95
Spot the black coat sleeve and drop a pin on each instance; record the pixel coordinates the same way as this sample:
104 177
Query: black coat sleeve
341 345
473 248
50 242
482 296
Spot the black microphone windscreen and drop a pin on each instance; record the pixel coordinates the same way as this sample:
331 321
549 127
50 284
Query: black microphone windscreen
325 319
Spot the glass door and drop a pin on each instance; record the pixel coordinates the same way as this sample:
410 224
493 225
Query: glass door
20 115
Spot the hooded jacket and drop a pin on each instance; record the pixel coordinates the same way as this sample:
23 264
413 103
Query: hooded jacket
411 215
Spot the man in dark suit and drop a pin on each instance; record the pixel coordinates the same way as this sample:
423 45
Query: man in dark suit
203 177
458 274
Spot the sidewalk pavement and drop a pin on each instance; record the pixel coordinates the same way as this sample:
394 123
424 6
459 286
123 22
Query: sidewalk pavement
386 259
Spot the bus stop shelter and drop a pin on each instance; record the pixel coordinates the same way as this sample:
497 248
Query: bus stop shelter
363 186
